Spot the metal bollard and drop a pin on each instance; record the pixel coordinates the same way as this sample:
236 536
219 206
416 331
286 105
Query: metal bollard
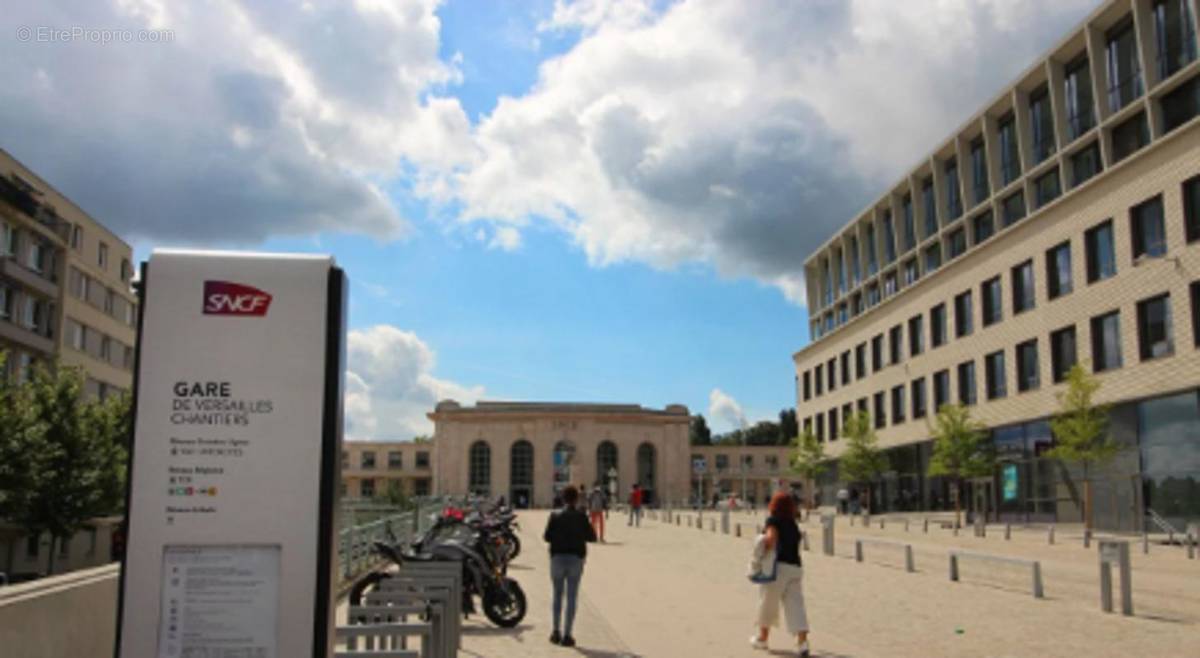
1115 553
858 553
882 523
738 529
953 567
925 526
1087 538
1038 593
1007 531
909 566
1145 543
905 525
1050 536
1191 548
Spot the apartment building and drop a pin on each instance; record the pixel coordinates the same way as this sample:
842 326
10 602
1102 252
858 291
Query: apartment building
1060 224
65 285
373 469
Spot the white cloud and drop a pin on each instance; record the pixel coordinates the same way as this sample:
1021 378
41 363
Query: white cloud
721 406
735 135
390 385
256 119
507 238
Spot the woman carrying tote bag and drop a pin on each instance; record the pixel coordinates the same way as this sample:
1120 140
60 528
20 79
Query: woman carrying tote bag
781 536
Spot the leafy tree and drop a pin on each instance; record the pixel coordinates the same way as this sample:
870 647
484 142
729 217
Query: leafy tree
1081 431
422 439
960 450
762 433
698 433
788 429
395 495
808 461
862 461
63 458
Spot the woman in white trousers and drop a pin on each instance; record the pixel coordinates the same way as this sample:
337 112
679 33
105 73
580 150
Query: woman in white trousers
782 536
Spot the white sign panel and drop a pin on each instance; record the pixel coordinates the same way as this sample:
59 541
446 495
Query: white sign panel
236 442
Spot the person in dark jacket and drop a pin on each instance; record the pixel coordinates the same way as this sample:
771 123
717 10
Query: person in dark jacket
568 533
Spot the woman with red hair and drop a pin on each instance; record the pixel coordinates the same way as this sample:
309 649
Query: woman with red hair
782 536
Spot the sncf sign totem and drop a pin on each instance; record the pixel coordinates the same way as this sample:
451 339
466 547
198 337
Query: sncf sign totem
228 298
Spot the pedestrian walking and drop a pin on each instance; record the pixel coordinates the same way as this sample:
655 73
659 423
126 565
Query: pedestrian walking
782 536
843 500
568 533
635 505
596 505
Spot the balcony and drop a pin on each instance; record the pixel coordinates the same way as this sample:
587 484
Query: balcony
16 333
11 269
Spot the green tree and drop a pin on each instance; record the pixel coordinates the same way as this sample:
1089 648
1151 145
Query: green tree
1081 433
698 433
64 457
862 461
960 450
808 461
422 439
788 429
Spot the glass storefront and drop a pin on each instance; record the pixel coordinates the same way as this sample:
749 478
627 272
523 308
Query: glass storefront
1169 429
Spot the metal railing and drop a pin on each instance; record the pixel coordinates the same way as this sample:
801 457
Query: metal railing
356 543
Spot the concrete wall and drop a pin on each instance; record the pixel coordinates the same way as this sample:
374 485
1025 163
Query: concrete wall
68 616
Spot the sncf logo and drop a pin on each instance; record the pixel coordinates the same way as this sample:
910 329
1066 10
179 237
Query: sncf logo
228 298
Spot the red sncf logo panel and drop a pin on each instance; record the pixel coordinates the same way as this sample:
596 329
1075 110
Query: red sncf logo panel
228 298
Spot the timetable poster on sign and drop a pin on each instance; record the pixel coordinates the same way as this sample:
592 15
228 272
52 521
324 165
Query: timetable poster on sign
232 491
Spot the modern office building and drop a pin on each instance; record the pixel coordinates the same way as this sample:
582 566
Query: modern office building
1060 224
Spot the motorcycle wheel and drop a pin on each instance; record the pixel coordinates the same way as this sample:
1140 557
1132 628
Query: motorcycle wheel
504 605
514 547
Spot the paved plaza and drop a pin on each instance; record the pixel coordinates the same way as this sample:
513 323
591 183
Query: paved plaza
672 590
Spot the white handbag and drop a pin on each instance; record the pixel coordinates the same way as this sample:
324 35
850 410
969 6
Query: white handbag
762 563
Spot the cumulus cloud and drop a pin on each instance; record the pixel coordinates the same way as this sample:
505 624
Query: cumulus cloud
722 406
255 119
740 136
390 385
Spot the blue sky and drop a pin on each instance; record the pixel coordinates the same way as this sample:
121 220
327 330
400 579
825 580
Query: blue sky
605 200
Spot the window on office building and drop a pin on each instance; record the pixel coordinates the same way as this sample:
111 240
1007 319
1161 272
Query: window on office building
819 379
1058 270
877 353
1022 287
1010 162
831 373
820 433
933 258
941 389
1130 136
833 424
979 171
953 194
1195 288
845 364
1027 366
1147 229
984 226
909 222
102 256
1046 188
898 405
1191 209
1062 352
993 374
880 410
929 201
806 379
1174 35
918 398
1124 72
956 243
1155 336
890 284
1181 105
1077 83
889 238
1106 341
895 344
860 360
963 323
1085 164
1041 122
916 336
966 383
993 303
1014 208
911 271
872 251
1101 254
937 325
